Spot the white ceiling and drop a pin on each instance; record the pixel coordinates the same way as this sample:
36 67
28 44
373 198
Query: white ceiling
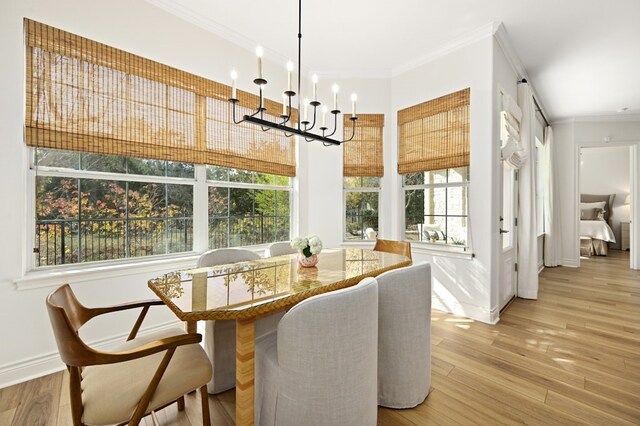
582 56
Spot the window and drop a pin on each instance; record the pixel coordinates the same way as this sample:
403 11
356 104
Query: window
92 207
119 141
434 163
247 208
361 200
363 168
95 207
436 209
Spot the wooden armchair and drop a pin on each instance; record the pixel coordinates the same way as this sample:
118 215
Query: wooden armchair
142 375
391 246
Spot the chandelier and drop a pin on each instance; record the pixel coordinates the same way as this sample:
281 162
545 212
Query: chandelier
303 127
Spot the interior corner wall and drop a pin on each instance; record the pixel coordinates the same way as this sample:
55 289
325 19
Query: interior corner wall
136 26
323 187
461 286
569 137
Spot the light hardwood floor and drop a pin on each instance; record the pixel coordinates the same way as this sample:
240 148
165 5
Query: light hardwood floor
571 357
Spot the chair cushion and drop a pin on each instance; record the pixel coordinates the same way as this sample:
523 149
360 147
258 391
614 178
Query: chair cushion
110 392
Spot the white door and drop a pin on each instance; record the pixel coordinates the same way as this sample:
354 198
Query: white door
508 222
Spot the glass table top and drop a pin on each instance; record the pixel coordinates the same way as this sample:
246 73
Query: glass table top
260 287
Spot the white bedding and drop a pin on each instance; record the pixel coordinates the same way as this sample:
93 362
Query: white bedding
598 229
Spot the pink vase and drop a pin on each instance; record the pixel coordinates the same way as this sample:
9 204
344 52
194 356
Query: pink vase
307 262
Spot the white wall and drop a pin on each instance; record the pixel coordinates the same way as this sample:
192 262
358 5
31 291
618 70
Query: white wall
463 286
570 136
605 170
321 167
28 347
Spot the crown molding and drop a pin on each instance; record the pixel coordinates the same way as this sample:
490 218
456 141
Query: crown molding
221 31
249 44
503 41
451 46
619 118
363 73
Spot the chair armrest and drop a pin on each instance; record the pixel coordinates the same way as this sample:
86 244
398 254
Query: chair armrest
144 304
145 350
125 306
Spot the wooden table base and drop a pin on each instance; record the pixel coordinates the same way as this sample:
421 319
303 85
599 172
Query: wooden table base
245 371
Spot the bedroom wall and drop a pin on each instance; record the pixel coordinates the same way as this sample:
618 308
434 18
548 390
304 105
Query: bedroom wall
571 135
605 170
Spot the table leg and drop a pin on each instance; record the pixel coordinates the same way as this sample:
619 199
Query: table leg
245 371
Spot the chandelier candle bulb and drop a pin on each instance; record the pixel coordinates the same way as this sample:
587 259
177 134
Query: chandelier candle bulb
324 116
314 78
259 53
306 109
354 98
289 69
335 96
234 76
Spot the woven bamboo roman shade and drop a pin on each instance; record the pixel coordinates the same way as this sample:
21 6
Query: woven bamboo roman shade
434 135
82 95
362 156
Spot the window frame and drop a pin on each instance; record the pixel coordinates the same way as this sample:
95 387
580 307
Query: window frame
200 216
427 244
345 191
34 172
246 185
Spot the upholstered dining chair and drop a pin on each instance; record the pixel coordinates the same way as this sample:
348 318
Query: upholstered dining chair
391 246
320 367
279 249
220 335
404 336
142 375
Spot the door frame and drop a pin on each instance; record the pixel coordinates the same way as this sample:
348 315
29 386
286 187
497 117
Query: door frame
634 190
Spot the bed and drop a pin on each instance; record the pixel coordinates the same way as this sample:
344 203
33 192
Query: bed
595 231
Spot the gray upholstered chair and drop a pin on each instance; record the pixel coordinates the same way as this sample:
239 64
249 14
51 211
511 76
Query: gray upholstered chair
320 367
404 336
220 335
278 249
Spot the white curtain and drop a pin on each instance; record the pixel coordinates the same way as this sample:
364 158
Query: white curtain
552 237
527 238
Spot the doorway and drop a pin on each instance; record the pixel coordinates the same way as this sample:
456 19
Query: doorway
605 188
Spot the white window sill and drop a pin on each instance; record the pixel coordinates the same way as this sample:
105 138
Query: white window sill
360 244
418 248
52 277
77 273
443 251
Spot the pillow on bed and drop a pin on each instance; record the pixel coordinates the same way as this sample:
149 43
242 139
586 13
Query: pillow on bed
592 214
596 205
608 200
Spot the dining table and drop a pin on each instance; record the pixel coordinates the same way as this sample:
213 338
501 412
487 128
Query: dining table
247 291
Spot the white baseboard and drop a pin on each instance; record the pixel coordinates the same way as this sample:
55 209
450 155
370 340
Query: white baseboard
464 310
41 365
540 268
571 263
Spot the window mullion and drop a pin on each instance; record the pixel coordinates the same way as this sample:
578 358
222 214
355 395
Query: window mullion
200 210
